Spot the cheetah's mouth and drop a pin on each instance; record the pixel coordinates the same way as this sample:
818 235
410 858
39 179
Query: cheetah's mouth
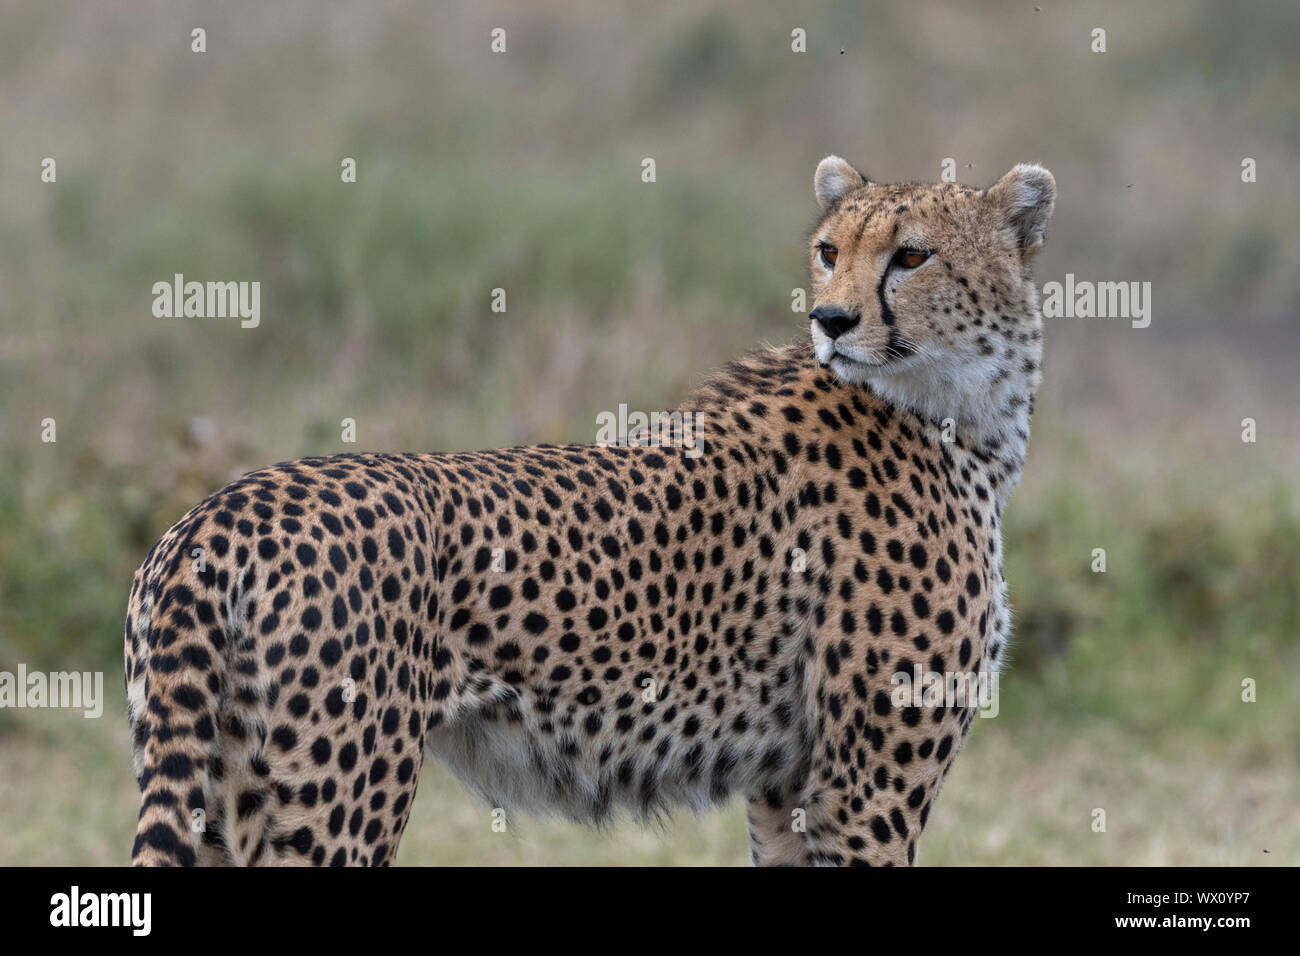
854 361
837 357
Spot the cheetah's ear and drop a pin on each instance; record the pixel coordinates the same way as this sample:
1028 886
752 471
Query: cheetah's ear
1025 198
834 179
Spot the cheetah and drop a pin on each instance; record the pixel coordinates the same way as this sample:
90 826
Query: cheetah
623 629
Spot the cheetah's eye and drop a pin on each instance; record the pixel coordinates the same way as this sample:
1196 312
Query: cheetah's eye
828 254
910 258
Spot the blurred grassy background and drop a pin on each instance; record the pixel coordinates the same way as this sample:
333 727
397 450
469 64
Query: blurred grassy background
522 171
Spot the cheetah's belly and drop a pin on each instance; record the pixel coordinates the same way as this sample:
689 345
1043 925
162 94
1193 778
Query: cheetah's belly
504 755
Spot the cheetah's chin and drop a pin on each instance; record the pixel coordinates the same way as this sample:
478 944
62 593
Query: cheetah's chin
851 370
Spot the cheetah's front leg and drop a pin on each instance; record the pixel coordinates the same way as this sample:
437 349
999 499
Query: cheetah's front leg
877 769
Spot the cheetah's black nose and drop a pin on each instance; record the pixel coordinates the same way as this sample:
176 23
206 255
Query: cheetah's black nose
834 320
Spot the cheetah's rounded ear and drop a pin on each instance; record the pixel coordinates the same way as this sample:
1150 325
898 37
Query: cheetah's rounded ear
1025 197
834 179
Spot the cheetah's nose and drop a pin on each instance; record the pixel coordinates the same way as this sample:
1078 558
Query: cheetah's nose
834 320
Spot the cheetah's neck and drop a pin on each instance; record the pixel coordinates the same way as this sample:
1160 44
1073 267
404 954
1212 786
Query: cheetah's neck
986 414
989 400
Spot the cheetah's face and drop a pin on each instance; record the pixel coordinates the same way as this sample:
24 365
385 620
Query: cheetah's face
923 291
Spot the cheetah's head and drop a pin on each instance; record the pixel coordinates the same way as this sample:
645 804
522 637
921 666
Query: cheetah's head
923 293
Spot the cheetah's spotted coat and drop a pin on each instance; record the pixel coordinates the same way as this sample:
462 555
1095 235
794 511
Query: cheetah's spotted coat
582 629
